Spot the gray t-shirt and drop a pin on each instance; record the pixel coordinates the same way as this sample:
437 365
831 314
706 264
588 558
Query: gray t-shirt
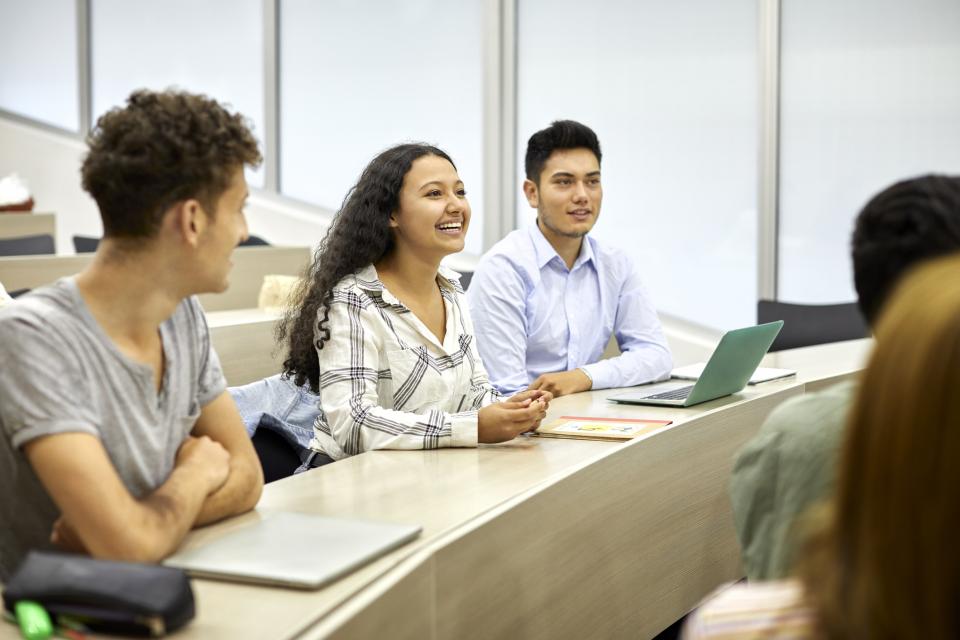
59 373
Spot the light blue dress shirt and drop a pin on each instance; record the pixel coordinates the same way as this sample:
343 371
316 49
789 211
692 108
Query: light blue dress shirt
532 315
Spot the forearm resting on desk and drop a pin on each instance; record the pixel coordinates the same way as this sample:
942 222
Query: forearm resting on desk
221 421
99 512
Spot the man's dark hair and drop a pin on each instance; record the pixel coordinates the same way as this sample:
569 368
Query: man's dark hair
562 134
160 149
905 224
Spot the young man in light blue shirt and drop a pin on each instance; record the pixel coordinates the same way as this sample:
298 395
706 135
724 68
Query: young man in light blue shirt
545 300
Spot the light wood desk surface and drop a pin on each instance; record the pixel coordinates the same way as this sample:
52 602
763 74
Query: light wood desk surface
16 225
823 365
243 339
250 265
538 538
565 496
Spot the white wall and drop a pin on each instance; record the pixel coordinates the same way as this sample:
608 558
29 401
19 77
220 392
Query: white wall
50 163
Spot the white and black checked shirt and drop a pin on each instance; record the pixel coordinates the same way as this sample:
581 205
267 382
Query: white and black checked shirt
386 382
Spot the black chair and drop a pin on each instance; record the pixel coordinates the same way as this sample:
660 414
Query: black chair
254 241
277 458
88 244
810 324
27 245
85 244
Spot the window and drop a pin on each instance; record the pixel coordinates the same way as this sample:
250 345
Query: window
358 77
671 90
869 96
38 61
214 47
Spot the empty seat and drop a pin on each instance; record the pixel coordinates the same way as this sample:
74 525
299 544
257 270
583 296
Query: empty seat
85 244
809 324
88 244
254 241
27 245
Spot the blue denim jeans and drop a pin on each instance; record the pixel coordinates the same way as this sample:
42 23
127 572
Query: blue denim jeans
277 404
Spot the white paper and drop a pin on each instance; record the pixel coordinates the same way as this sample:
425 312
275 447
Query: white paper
762 374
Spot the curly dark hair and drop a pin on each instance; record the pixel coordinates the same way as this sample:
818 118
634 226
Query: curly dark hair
905 224
359 235
162 148
560 135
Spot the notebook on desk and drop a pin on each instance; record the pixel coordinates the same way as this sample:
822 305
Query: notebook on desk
727 371
293 550
762 374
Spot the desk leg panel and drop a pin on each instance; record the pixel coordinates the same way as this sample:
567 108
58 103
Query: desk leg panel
622 547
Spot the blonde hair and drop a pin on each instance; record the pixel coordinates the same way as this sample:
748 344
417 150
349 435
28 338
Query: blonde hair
886 562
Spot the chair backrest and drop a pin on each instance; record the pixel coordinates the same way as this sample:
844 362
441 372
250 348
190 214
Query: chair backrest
88 244
85 244
27 245
810 324
254 241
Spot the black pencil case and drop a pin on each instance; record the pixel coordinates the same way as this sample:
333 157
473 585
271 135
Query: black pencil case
102 595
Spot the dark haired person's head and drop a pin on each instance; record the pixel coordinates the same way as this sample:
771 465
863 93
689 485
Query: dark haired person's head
563 180
398 204
161 149
883 562
907 223
561 135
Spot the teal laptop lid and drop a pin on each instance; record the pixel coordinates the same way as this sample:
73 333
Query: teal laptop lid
728 370
733 362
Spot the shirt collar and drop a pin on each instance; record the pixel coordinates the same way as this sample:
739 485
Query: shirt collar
545 252
369 281
449 279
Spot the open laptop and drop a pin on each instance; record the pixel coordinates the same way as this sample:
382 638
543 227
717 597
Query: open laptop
293 550
728 370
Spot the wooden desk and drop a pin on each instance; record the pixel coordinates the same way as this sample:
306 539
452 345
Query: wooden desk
250 265
516 534
823 365
535 538
16 225
243 339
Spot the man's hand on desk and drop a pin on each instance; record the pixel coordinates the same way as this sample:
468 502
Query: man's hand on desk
563 382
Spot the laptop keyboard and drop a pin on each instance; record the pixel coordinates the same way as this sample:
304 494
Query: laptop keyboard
675 394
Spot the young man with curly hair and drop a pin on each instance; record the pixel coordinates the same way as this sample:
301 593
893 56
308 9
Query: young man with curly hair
118 435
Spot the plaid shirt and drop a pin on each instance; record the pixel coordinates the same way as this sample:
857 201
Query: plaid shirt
386 382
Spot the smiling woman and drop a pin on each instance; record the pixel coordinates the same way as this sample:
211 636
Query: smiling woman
381 331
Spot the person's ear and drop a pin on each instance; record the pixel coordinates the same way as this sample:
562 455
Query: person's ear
190 220
393 220
533 194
